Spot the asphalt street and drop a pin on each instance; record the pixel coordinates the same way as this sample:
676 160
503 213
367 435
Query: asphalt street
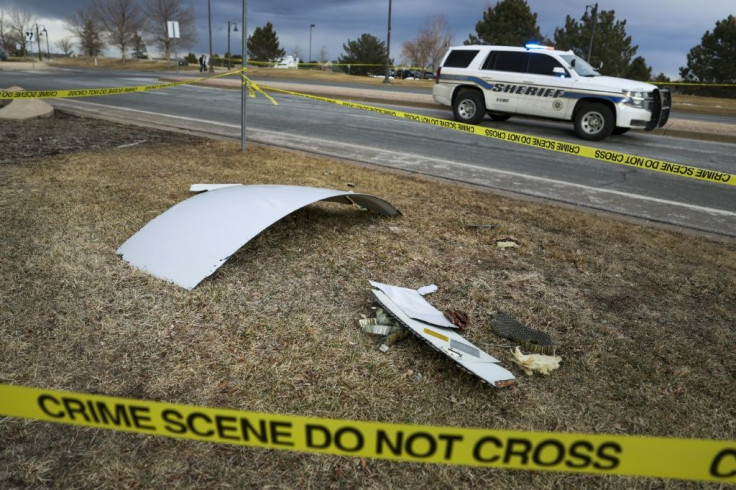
328 129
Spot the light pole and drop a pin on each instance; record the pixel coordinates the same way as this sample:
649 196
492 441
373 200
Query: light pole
229 54
311 26
209 23
592 29
48 51
388 46
243 88
38 42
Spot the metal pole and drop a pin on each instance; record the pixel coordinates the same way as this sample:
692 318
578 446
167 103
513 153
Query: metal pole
244 30
229 55
388 46
48 52
592 30
209 22
311 26
38 43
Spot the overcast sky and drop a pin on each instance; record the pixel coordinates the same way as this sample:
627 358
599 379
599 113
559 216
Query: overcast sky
664 30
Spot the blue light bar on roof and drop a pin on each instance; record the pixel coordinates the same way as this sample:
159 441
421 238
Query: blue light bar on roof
538 46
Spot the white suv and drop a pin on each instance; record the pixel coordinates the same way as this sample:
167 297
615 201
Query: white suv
544 82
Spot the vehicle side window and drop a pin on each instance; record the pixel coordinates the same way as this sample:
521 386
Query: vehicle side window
511 61
460 58
542 64
490 62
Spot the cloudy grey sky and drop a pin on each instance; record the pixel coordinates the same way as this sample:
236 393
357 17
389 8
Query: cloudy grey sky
664 30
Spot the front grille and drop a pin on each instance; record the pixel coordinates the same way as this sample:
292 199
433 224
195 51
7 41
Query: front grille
661 102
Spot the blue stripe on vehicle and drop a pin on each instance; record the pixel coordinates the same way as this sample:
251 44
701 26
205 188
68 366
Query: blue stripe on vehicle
569 95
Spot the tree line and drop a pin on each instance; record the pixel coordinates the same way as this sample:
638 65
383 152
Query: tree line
128 25
597 36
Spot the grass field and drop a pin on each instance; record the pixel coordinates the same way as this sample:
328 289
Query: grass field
644 319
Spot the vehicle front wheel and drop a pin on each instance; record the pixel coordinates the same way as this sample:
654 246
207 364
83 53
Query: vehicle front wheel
594 121
469 107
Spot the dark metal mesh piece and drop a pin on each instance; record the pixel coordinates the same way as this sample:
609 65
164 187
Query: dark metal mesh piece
534 340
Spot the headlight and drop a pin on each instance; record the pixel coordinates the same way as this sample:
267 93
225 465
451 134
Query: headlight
635 98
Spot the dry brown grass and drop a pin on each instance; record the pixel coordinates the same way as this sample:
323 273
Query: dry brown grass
644 319
705 105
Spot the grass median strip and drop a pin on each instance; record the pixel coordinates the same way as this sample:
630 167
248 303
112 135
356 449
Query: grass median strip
642 317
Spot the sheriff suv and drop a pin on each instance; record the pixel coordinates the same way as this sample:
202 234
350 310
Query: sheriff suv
544 82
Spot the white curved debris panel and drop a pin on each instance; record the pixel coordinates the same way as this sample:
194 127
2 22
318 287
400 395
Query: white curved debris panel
192 239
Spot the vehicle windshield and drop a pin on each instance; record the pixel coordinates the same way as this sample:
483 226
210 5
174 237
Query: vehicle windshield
580 66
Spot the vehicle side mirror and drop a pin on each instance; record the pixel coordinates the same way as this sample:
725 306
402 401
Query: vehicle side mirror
559 71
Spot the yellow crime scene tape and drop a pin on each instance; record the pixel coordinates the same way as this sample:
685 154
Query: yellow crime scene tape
97 92
609 156
659 457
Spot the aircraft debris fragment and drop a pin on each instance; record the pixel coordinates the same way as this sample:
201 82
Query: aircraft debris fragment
510 328
540 363
192 239
431 326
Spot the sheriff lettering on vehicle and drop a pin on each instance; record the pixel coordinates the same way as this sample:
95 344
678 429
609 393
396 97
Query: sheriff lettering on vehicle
541 81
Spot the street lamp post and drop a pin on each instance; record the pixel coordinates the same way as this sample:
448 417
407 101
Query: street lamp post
594 15
38 42
209 23
229 54
311 26
388 46
48 51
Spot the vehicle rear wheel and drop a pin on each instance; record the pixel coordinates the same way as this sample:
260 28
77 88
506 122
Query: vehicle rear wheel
469 107
499 116
594 121
620 130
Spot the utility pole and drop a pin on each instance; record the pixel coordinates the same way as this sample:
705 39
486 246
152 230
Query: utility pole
594 15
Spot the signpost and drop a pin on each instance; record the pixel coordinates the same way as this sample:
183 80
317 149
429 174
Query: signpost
173 27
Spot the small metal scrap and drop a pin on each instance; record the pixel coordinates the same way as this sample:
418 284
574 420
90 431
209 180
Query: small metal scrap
510 328
384 325
458 318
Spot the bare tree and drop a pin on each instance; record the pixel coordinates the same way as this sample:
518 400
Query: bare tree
65 45
88 29
323 54
158 13
427 49
121 20
19 22
5 36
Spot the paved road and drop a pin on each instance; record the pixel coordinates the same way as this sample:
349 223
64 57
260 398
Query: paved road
331 130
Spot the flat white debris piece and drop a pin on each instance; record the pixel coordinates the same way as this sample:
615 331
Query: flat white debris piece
192 239
414 305
209 187
451 344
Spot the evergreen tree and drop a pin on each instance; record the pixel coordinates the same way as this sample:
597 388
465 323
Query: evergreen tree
714 59
638 70
366 50
90 42
612 49
263 44
509 23
138 47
